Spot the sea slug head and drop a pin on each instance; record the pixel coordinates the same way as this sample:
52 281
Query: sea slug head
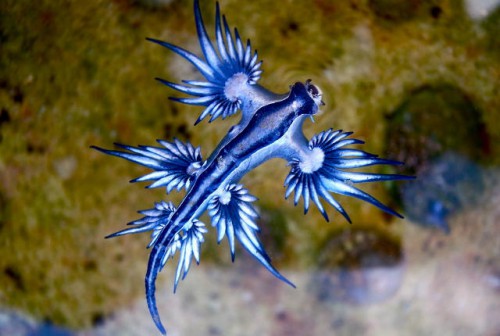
306 98
315 93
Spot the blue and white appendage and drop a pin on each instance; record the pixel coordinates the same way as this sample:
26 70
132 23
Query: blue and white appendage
323 169
229 71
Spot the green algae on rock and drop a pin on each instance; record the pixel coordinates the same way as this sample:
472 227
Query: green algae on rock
434 120
75 75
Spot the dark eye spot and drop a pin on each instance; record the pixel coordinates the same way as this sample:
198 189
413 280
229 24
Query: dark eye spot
313 90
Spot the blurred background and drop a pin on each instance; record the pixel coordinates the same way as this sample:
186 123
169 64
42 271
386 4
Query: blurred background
417 80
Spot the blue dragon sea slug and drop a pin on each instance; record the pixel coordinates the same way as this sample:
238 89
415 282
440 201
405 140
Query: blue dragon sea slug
270 127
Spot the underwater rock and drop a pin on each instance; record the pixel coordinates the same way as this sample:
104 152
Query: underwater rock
432 121
13 323
438 132
478 10
443 187
360 266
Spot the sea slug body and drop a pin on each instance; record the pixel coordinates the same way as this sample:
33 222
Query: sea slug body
270 127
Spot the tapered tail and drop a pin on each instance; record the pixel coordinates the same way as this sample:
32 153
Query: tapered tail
185 239
161 251
154 267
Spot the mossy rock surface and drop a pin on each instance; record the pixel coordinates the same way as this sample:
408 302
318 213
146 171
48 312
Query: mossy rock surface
80 73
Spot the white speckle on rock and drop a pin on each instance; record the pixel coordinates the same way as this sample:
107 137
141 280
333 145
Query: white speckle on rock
65 167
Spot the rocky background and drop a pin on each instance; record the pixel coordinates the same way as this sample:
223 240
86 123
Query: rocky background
417 80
